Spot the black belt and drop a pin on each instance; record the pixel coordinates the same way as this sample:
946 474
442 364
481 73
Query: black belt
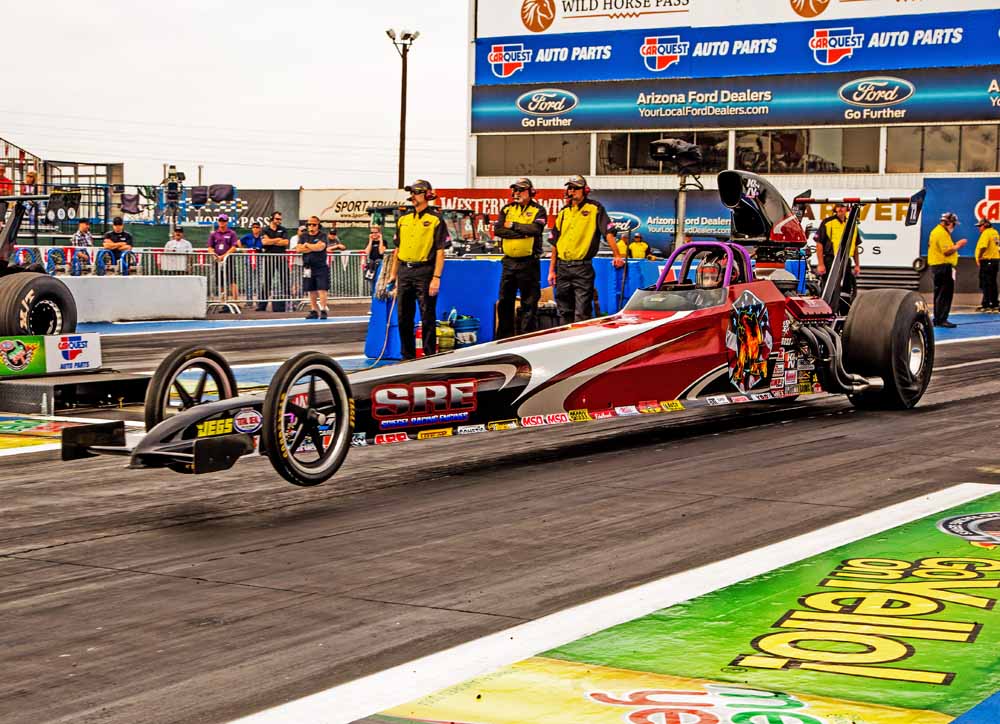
574 262
415 264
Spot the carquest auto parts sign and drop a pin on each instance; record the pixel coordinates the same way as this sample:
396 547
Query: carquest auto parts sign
917 96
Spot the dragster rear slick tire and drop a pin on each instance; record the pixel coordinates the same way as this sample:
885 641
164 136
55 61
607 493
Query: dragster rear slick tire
888 334
165 380
308 419
35 304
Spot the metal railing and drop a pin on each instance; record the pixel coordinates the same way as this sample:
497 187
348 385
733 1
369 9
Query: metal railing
242 277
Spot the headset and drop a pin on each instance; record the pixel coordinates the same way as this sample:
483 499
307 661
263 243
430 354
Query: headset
586 190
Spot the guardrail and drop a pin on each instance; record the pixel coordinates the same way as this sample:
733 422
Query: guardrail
242 277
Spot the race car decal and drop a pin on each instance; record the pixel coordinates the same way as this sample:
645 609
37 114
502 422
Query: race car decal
749 342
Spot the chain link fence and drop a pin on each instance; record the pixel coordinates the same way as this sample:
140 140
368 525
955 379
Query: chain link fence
243 277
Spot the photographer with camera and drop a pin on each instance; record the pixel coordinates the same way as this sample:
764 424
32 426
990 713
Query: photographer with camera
374 251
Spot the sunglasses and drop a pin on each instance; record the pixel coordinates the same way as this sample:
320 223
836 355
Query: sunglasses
312 225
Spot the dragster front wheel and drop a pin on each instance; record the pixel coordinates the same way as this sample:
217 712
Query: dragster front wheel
187 377
308 416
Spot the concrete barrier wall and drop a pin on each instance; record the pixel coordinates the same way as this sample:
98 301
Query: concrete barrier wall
119 299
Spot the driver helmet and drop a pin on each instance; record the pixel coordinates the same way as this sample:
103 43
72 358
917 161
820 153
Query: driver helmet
709 274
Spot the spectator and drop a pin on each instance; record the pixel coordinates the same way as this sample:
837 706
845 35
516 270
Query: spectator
293 242
942 258
6 185
118 241
988 261
333 242
176 252
223 243
315 267
82 237
254 240
271 271
30 184
373 252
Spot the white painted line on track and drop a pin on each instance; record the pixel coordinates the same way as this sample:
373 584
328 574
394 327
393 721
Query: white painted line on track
392 687
968 364
267 325
967 339
47 447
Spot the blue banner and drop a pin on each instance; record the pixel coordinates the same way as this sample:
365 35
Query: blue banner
970 198
870 44
916 96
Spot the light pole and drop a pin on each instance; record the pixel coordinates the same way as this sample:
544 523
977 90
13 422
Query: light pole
402 43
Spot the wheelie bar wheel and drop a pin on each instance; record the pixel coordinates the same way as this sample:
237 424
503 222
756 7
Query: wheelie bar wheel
188 376
308 416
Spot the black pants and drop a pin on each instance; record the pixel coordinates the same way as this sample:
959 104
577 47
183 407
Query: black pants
988 282
522 274
944 290
271 283
574 291
411 285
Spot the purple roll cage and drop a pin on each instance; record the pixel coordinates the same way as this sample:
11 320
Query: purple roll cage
696 247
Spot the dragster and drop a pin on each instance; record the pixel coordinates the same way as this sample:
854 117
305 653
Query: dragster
730 328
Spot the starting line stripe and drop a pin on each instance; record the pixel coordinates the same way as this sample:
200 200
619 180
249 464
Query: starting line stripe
393 687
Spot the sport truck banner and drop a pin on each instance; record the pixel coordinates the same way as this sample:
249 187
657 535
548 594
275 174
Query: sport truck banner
867 44
346 205
901 627
496 18
970 198
913 96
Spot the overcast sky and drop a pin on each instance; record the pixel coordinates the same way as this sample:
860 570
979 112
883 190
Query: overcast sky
264 94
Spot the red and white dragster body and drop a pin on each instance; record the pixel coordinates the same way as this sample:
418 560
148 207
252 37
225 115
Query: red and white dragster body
742 335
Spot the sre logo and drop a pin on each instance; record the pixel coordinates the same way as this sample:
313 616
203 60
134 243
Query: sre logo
423 398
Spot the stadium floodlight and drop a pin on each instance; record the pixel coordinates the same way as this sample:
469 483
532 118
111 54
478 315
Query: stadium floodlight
406 38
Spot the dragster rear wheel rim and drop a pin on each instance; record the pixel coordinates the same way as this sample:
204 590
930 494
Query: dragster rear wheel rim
315 419
917 349
45 318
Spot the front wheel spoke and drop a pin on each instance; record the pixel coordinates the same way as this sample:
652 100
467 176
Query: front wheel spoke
199 390
300 437
301 413
312 391
186 399
317 440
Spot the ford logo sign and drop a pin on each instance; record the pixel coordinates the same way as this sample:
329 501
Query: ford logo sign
624 223
876 91
547 102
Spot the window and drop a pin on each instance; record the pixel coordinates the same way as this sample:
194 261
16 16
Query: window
542 154
815 150
628 153
904 149
979 149
941 149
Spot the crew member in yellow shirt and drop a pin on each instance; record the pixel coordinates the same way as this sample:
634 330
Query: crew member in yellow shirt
417 267
988 261
942 258
580 228
831 231
519 227
637 248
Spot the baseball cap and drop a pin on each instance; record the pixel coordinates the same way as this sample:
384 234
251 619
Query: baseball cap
178 228
637 235
256 223
117 221
576 181
419 186
840 205
984 223
523 184
949 218
223 217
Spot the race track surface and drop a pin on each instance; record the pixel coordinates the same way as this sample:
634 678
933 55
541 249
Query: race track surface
148 596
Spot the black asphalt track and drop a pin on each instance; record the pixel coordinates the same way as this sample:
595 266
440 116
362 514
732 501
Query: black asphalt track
130 596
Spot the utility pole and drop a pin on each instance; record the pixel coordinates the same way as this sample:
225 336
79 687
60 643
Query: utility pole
403 43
